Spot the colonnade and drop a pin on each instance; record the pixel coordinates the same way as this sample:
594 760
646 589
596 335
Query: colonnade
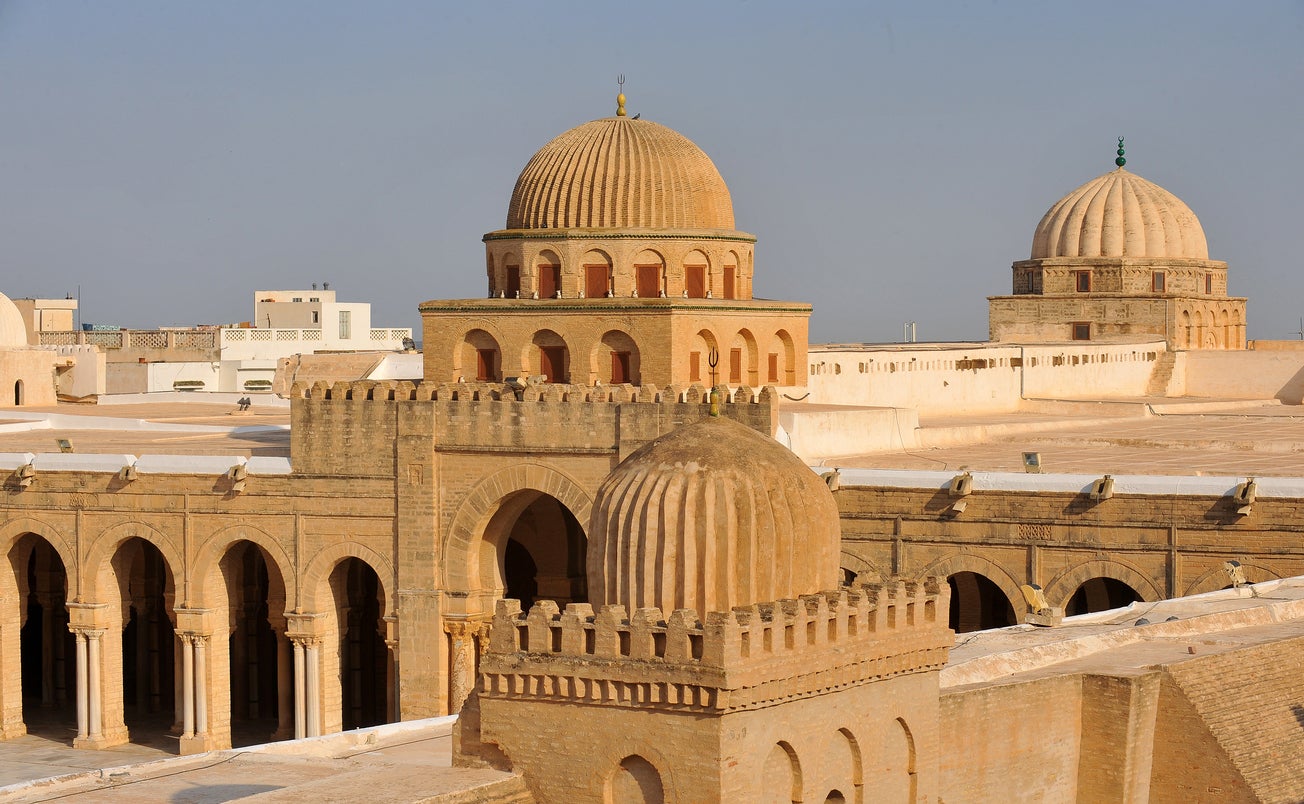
133 663
300 673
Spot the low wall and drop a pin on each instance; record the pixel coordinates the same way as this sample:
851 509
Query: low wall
820 433
978 378
1255 374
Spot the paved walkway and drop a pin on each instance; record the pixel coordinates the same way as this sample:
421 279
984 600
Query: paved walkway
1267 441
399 763
50 753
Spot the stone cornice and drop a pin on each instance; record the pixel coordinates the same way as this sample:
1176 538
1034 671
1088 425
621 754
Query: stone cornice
623 234
610 305
1121 262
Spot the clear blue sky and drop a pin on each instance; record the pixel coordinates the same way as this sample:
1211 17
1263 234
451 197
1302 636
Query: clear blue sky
893 159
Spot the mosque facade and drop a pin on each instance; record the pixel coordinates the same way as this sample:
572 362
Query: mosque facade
578 531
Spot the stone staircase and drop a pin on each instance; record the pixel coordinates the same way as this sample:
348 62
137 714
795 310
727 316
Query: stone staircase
1162 374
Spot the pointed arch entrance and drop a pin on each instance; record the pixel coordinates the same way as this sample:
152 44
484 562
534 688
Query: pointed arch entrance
251 604
47 666
142 621
517 534
363 661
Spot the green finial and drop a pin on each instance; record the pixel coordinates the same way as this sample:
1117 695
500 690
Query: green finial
1120 161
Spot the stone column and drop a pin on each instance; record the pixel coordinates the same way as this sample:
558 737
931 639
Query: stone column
187 689
312 689
201 685
194 628
94 687
196 737
98 726
83 713
461 677
300 693
305 633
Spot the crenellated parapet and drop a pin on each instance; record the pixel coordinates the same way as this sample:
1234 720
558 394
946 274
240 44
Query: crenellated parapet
747 658
406 390
346 427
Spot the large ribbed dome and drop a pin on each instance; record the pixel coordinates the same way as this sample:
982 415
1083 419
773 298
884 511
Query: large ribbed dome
711 516
13 332
620 173
1120 214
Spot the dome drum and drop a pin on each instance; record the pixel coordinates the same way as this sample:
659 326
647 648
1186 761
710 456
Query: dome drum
625 266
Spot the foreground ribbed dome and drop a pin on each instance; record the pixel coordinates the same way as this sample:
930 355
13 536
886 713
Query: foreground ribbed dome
1120 214
620 173
13 332
711 516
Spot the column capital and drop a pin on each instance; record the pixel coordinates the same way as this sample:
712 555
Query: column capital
304 625
461 629
193 621
87 631
87 615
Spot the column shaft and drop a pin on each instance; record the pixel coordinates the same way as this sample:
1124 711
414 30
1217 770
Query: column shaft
83 717
187 689
94 693
313 689
201 685
300 694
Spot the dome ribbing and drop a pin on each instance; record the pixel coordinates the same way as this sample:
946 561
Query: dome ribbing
711 516
620 173
1120 214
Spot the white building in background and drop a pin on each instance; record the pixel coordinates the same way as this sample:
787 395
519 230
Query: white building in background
236 359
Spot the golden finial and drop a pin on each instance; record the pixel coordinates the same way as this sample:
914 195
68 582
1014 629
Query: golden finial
620 99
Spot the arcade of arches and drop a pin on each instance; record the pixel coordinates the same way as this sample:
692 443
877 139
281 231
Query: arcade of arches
114 655
249 646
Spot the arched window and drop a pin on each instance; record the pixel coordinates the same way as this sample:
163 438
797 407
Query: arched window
548 274
615 359
479 358
649 274
697 269
597 274
551 356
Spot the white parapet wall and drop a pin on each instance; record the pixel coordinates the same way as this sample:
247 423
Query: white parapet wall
969 378
1256 374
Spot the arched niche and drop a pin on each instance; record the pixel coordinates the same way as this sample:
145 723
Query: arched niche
696 272
597 279
649 274
635 781
741 363
614 360
704 351
478 358
548 356
547 274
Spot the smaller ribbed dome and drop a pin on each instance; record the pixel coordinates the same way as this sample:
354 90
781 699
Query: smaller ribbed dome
1120 214
620 173
13 332
711 516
